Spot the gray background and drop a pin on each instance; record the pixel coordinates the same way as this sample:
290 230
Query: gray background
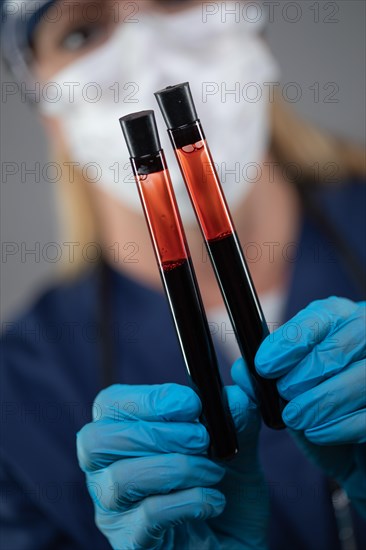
329 51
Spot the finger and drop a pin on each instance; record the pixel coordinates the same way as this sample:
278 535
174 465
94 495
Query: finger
288 345
128 481
331 356
347 429
324 455
163 512
101 443
243 410
144 526
336 397
159 402
241 377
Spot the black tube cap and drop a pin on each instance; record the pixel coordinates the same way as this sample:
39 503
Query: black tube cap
141 133
176 105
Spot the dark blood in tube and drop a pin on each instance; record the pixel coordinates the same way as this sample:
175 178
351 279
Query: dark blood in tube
218 229
179 280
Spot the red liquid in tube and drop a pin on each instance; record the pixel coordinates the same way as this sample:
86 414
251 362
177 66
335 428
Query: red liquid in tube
205 190
163 218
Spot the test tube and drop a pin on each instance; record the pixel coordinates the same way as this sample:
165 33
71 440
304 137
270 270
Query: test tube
178 277
208 200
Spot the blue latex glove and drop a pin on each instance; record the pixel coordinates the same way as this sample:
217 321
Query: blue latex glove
153 486
319 360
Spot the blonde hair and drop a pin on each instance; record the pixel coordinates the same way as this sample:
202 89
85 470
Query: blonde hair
308 155
316 156
77 217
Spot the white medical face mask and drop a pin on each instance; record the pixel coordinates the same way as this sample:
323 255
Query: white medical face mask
227 65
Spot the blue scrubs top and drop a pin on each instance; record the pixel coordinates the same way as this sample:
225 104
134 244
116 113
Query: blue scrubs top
51 373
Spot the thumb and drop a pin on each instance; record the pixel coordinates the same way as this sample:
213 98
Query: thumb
241 377
243 410
334 459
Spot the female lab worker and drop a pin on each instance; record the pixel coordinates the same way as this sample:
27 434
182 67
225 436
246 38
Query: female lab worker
108 327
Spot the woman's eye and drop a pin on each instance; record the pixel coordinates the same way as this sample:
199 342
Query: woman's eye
81 37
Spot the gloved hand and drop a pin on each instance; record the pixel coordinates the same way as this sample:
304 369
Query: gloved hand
319 360
152 483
